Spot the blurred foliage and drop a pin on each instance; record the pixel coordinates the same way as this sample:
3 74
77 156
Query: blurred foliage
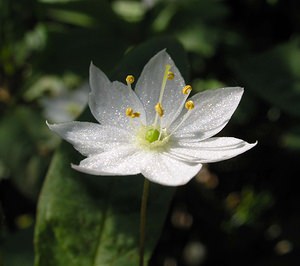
247 206
46 45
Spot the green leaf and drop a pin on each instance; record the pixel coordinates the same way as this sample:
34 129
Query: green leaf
273 75
94 220
91 220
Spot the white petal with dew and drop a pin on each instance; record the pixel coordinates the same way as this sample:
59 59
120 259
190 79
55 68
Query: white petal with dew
148 88
121 160
90 138
211 150
213 109
165 170
108 101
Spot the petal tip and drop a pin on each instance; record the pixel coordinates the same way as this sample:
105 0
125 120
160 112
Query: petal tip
253 144
92 67
162 54
241 89
74 166
237 89
78 168
50 126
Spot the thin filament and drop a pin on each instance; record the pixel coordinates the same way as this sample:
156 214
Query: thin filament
162 90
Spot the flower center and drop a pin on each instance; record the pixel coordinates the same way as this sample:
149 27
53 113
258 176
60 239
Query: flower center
152 135
150 138
155 136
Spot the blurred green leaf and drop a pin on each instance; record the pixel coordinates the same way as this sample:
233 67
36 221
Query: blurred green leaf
251 205
291 138
131 11
80 32
25 143
191 11
273 75
89 220
194 23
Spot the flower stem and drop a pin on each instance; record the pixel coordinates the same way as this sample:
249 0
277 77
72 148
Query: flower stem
143 220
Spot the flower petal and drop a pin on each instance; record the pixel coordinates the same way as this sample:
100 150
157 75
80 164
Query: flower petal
108 101
213 109
148 88
90 138
121 160
211 150
165 170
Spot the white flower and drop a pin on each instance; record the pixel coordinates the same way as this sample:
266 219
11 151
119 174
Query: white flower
67 105
153 130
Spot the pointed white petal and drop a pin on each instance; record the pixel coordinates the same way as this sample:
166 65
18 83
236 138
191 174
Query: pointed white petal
213 109
210 150
90 138
108 101
148 88
165 170
121 160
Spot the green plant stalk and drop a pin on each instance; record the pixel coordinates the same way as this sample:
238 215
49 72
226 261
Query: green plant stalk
143 217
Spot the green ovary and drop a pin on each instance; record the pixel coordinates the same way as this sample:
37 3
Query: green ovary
152 135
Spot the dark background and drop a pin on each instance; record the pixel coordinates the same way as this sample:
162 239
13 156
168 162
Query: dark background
239 212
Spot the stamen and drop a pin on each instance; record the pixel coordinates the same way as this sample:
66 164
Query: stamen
189 105
187 89
158 107
163 84
129 79
136 114
170 75
129 112
159 110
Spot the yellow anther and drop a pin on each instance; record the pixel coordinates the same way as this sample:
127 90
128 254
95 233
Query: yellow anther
170 75
136 114
129 112
130 79
159 110
187 89
189 105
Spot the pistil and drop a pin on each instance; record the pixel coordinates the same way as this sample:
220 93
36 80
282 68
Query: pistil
152 135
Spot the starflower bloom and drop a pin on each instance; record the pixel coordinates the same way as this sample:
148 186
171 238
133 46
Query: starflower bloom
67 105
155 129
